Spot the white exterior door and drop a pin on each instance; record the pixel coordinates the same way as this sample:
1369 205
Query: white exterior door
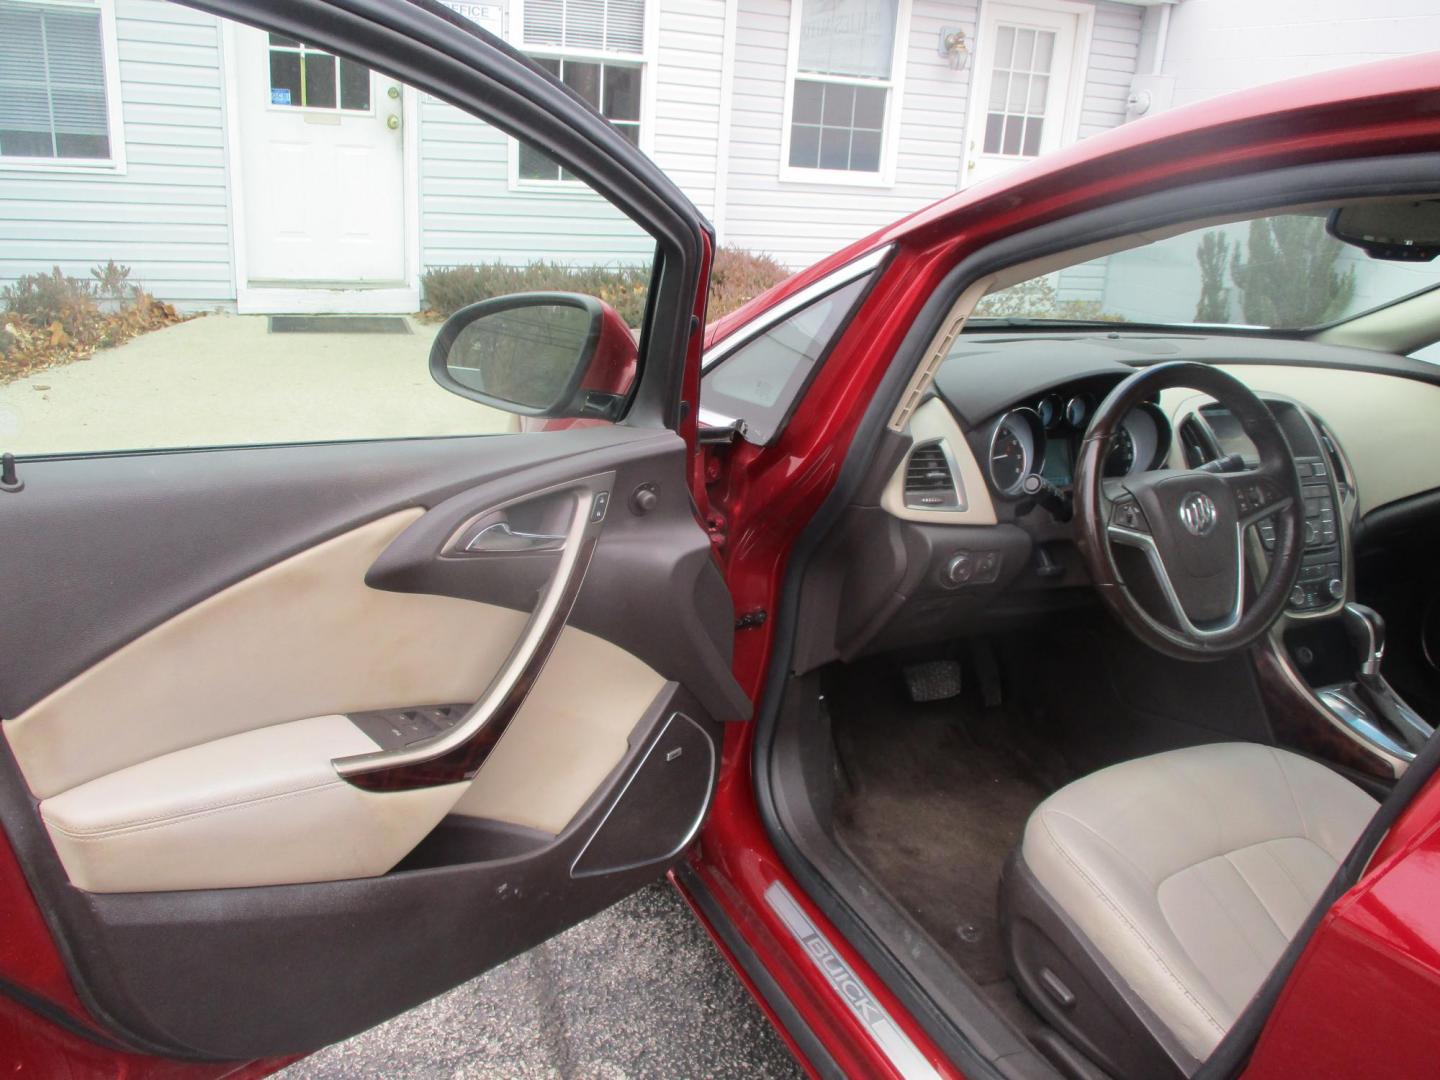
1023 95
321 153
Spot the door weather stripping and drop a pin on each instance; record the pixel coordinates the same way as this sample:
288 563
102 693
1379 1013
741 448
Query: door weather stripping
904 1055
457 753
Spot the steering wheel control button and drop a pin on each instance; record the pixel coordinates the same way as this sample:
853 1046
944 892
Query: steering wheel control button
1128 515
1254 496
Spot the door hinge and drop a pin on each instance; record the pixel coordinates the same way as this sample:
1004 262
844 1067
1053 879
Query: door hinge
750 620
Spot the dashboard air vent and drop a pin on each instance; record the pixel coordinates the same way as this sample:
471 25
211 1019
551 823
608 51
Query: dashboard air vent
930 479
1195 443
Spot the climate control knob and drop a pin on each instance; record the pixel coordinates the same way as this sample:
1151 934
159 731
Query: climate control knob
1297 596
1336 588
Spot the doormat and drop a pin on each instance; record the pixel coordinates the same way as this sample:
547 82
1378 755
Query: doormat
338 324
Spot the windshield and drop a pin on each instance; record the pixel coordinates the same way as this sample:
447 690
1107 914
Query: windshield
1273 273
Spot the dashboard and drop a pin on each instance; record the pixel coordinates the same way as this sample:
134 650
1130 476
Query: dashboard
955 538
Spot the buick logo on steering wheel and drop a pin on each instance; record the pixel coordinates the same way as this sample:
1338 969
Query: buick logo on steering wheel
1197 513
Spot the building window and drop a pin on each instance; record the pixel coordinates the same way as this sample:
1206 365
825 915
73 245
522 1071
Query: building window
1019 91
613 89
304 77
597 49
843 61
57 98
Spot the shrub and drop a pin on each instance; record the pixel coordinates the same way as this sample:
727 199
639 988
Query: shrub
49 319
737 276
448 289
53 298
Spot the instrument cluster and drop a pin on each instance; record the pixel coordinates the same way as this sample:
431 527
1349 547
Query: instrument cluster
1044 438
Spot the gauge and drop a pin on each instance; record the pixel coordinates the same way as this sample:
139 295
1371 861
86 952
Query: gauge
1121 457
1013 447
1077 411
1049 410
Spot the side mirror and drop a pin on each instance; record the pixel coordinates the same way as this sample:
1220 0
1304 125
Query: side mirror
538 354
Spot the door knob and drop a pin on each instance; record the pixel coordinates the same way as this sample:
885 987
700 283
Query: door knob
392 122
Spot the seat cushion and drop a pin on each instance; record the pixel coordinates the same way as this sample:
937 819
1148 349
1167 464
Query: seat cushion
1190 871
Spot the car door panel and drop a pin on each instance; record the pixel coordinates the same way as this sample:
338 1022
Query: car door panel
194 825
214 663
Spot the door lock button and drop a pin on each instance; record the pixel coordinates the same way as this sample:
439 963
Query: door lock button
599 506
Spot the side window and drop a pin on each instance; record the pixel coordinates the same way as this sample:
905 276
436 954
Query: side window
759 381
288 236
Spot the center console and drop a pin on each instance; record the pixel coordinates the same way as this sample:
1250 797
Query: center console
1321 584
1319 668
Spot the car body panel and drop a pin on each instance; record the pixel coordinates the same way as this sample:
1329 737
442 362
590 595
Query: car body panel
771 493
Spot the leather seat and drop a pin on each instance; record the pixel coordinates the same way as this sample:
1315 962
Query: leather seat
1178 880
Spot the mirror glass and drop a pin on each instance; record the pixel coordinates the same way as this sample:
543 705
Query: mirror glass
529 355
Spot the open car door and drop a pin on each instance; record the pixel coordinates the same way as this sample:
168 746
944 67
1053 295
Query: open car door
304 727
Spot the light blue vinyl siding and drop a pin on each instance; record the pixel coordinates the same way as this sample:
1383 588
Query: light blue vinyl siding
469 212
167 215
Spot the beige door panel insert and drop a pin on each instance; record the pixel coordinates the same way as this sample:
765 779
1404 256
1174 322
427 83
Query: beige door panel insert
198 755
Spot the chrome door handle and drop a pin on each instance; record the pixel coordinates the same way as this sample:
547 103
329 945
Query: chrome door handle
500 537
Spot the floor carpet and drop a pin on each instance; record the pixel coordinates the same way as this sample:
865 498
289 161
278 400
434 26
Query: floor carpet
935 798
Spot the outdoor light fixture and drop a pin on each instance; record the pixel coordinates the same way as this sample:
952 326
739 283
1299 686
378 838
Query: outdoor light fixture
954 48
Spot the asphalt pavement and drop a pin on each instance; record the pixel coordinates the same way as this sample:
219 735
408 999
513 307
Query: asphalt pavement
638 991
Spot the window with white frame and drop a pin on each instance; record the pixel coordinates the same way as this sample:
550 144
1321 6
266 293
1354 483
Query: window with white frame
596 48
304 77
56 98
841 84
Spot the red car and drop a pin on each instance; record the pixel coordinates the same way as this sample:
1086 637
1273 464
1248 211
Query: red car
986 637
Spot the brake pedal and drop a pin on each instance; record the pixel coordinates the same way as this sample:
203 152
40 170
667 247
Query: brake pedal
932 680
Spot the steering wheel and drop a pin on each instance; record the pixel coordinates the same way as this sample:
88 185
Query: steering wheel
1186 529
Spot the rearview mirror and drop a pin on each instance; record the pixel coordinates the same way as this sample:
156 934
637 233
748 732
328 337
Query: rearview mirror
1396 231
538 354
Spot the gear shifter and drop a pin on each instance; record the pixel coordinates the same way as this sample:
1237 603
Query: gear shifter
1366 630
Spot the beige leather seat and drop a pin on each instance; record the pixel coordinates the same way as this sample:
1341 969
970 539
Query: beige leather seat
1188 873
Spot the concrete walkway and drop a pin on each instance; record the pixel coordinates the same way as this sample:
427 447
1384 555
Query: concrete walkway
225 379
